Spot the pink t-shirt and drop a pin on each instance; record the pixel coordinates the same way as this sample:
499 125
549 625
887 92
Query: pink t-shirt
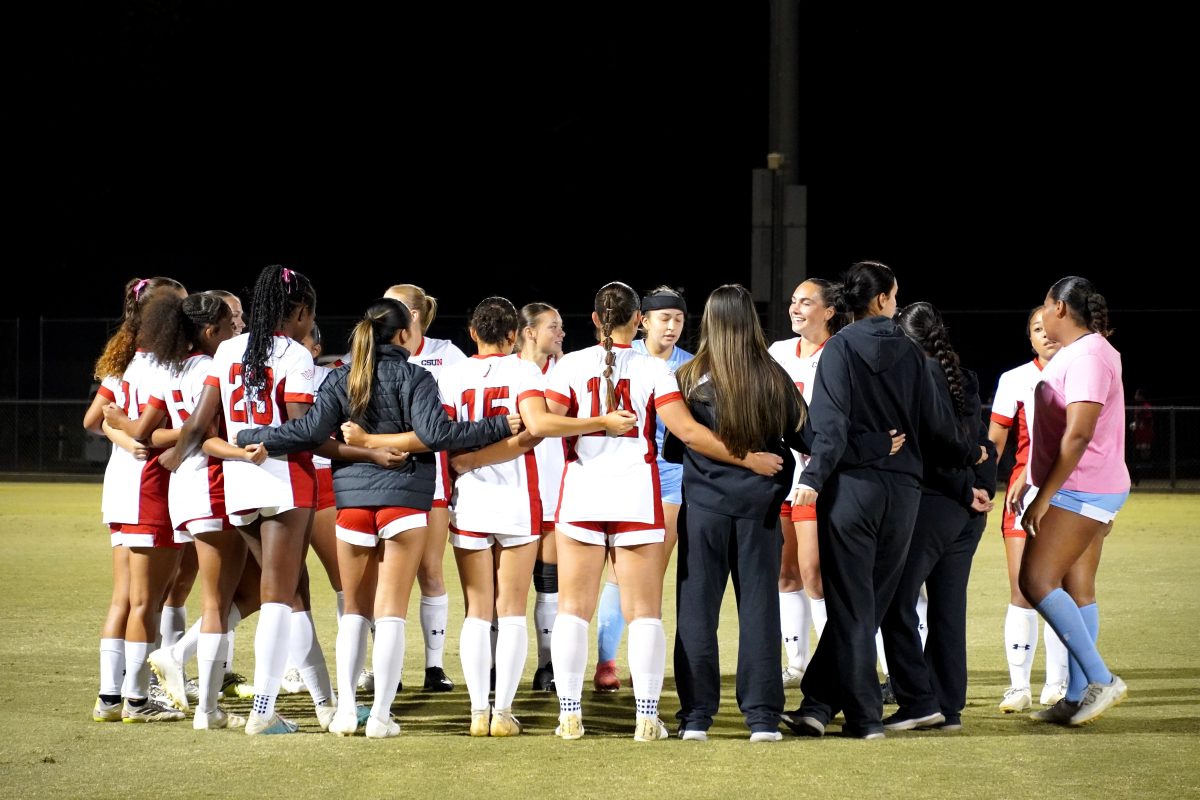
1089 371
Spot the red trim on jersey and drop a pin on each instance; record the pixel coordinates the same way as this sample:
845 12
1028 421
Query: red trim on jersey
303 478
443 462
562 400
216 487
325 496
157 402
107 394
527 394
450 411
152 494
667 399
296 397
338 363
535 493
421 347
800 341
210 380
1037 364
1000 419
482 355
650 434
619 346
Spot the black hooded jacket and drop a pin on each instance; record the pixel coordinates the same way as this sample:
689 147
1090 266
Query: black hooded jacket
957 483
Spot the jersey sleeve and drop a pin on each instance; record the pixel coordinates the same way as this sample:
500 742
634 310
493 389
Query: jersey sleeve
530 383
666 388
109 387
298 376
558 383
217 367
448 393
1004 405
1088 380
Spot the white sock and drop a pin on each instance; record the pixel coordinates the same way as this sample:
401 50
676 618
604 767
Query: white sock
647 663
569 651
210 668
137 671
185 647
879 652
350 654
819 615
923 616
474 647
1056 656
171 624
793 625
270 654
545 609
341 604
435 612
306 653
512 647
112 666
1020 643
388 659
495 634
235 616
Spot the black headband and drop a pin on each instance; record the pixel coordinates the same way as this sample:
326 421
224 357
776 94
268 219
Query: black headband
658 302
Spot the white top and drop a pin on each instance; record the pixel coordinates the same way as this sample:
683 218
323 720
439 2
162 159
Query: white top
320 373
551 456
1014 403
612 478
504 497
803 372
135 492
197 487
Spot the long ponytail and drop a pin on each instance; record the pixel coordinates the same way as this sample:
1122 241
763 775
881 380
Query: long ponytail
379 325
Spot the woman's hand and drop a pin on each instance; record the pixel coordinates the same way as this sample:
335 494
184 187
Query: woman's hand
618 423
803 496
1015 496
897 442
463 462
388 457
354 435
256 454
169 459
983 455
115 417
1031 521
515 424
980 501
762 463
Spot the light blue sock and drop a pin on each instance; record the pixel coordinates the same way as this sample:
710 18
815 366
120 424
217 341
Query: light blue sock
1077 683
1067 619
610 623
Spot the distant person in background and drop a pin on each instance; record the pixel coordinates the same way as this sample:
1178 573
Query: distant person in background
1142 428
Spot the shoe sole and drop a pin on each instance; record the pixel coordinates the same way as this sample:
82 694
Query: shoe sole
812 729
165 685
918 724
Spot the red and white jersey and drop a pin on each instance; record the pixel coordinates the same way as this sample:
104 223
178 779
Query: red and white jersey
135 492
551 457
1014 403
198 486
803 372
281 480
320 373
612 478
501 498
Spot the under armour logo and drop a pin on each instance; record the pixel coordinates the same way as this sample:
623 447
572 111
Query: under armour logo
547 630
1022 647
436 632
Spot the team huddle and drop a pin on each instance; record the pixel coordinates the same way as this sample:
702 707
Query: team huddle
842 477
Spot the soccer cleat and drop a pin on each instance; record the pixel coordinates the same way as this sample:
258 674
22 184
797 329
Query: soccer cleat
1016 700
170 676
382 730
1099 698
436 680
366 681
1060 713
1052 693
543 678
792 677
106 712
159 695
802 724
650 729
149 711
886 691
292 683
341 724
694 736
236 685
766 736
216 720
325 715
258 725
504 723
192 689
606 679
481 723
901 722
570 726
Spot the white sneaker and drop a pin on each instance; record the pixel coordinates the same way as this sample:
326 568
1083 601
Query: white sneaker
504 723
766 736
257 725
344 724
1016 700
792 677
650 729
217 720
1052 693
694 736
381 730
481 721
366 681
170 676
1099 698
570 726
292 683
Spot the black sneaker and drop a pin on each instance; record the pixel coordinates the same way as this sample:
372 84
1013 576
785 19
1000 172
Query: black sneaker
543 678
436 680
802 724
903 721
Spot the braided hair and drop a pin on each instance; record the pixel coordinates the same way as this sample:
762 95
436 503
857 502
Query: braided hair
121 346
1086 304
278 292
615 305
922 323
378 326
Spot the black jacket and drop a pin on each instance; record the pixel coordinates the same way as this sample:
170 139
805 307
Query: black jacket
405 398
957 482
871 377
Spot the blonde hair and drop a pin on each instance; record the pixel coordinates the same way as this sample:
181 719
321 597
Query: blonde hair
415 298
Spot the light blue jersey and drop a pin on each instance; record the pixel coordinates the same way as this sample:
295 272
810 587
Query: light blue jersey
670 475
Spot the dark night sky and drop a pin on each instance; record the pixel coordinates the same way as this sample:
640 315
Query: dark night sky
539 153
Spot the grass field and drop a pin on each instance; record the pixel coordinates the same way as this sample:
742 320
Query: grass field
54 587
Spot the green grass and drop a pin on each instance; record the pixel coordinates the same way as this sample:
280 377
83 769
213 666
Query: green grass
54 584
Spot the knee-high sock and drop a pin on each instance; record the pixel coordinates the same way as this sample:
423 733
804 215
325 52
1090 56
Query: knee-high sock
819 615
185 646
306 653
611 624
793 625
210 662
1056 656
883 665
647 662
923 616
512 647
545 609
435 612
1020 644
137 670
388 659
1077 682
235 616
171 624
569 649
112 666
270 655
1058 609
350 655
475 649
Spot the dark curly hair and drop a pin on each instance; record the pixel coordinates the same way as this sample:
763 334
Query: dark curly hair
121 346
494 319
171 327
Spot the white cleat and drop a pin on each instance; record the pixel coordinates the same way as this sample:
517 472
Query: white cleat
258 725
1052 693
292 683
481 721
792 677
381 730
504 723
570 726
1099 698
766 736
650 729
366 681
1016 700
344 724
217 720
170 676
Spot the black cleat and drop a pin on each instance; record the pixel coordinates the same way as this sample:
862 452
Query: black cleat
543 678
436 680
